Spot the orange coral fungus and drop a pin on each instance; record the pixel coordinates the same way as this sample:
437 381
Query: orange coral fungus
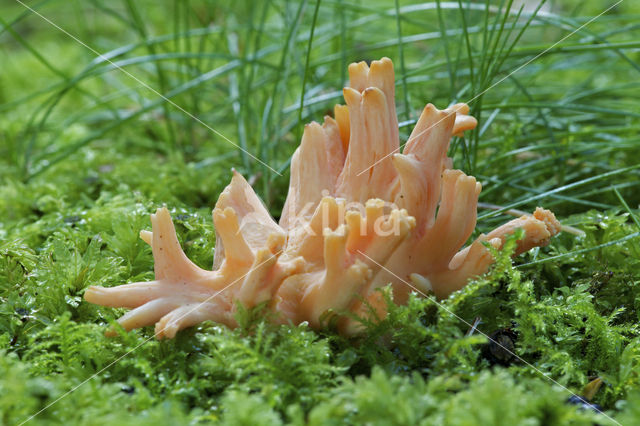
359 215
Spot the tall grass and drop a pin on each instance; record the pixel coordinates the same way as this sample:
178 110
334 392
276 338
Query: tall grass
256 73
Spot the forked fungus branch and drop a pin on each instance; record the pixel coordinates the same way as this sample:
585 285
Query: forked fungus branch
354 203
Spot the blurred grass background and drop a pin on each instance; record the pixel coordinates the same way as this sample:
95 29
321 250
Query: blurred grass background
242 68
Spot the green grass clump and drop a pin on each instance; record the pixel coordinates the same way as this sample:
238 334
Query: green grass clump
90 145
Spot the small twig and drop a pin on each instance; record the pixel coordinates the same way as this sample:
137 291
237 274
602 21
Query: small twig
474 327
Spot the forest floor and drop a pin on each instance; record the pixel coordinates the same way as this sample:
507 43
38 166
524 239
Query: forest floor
88 149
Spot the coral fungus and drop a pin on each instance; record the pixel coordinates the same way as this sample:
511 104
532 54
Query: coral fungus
359 215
